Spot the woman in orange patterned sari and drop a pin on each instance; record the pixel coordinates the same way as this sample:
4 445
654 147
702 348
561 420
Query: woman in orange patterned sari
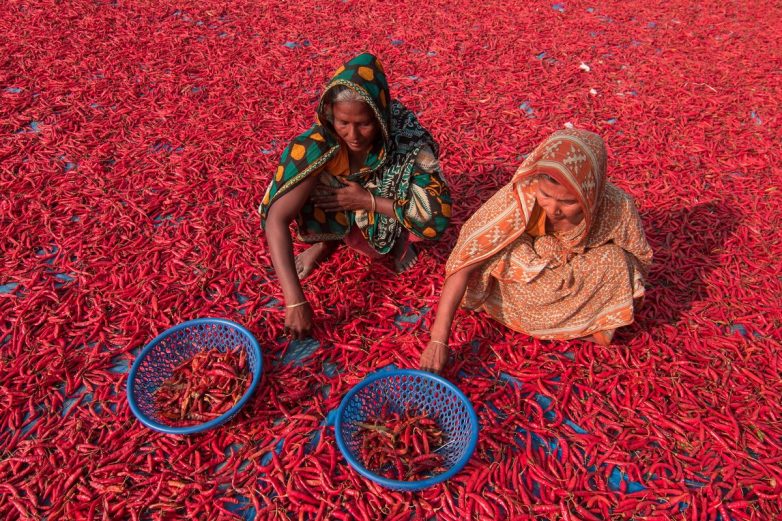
559 253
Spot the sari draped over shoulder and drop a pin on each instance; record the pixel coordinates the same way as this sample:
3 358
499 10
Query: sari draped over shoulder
556 285
402 166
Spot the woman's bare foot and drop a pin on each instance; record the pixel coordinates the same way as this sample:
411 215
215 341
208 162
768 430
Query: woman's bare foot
309 259
406 258
602 338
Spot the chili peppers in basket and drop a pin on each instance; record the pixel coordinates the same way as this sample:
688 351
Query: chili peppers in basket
402 447
203 387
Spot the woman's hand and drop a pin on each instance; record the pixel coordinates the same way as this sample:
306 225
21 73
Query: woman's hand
298 322
351 196
435 357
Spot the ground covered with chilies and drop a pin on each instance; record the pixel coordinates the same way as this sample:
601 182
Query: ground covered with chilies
137 138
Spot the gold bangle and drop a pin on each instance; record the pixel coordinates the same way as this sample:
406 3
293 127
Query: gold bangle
291 306
438 342
374 203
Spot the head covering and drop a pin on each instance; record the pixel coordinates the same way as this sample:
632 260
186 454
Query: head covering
577 160
364 75
388 167
574 158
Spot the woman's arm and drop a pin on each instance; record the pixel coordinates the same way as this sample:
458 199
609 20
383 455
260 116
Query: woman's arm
298 320
435 356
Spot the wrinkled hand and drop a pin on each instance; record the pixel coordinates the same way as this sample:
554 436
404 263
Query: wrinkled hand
434 357
298 322
351 196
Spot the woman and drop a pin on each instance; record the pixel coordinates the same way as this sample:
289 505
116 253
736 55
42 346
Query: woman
366 173
559 253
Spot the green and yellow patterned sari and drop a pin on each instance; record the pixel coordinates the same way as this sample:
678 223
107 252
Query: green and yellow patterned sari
402 166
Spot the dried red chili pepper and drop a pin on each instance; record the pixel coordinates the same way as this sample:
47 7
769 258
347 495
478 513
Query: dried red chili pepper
203 387
402 446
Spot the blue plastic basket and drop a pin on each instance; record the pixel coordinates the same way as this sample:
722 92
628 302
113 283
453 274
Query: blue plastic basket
400 391
172 347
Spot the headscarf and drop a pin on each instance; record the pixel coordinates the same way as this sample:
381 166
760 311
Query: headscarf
577 160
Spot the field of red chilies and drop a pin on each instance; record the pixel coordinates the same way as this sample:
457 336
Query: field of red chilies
137 138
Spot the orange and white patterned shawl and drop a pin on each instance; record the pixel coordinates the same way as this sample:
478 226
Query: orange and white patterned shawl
558 285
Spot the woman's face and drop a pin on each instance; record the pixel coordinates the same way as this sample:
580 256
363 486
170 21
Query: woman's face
563 210
355 124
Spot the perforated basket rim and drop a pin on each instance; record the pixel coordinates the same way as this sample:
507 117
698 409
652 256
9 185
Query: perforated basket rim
393 483
256 371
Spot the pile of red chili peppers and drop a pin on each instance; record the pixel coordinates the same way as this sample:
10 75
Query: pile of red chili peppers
203 387
402 447
137 139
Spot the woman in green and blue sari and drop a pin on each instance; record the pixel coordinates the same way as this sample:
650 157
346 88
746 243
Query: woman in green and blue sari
366 174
